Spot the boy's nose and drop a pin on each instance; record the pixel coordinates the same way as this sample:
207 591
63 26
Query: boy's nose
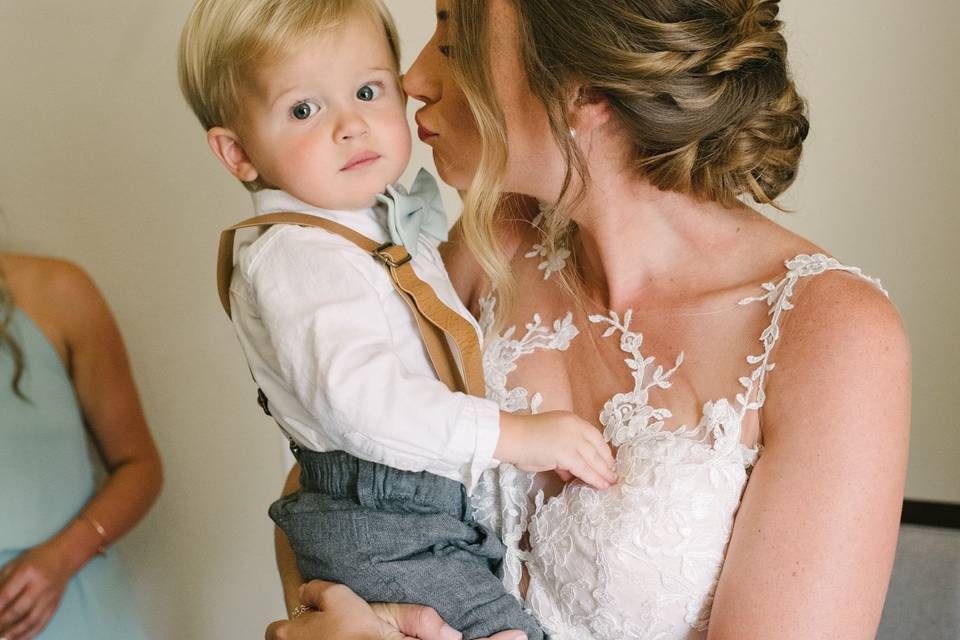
349 126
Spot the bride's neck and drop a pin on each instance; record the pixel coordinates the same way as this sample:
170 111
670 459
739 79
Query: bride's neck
636 243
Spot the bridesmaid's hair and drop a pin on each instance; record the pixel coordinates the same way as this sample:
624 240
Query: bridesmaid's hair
7 341
701 86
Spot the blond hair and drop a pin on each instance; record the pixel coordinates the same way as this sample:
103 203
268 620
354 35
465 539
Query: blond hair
224 41
702 87
7 341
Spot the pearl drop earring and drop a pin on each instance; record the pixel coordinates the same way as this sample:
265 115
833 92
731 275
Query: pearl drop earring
573 133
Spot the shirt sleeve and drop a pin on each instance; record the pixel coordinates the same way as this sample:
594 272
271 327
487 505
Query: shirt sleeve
326 321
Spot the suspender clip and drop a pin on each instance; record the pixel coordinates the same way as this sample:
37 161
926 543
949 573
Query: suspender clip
382 253
263 402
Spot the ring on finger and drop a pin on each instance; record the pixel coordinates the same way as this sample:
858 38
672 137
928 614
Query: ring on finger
301 609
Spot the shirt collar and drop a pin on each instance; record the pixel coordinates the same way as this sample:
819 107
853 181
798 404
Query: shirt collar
371 222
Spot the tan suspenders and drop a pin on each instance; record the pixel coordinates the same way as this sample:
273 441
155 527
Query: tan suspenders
435 319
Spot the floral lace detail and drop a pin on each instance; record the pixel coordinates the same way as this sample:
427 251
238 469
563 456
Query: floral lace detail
641 560
501 501
672 510
778 297
502 352
502 498
627 414
552 262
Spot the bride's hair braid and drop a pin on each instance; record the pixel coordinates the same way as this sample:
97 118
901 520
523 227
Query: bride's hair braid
702 88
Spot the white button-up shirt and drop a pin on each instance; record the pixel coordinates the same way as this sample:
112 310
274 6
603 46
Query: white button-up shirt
338 353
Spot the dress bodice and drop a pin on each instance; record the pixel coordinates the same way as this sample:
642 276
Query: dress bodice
48 472
46 458
641 560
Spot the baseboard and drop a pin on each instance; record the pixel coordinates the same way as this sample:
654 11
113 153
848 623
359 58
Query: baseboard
931 514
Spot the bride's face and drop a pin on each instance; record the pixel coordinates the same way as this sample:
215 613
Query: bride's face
447 124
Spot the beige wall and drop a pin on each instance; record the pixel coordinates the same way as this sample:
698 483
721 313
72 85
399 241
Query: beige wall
103 164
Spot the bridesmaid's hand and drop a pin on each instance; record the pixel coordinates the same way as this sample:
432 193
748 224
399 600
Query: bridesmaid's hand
341 614
31 586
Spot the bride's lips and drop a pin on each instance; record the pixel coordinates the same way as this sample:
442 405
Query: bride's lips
360 160
423 133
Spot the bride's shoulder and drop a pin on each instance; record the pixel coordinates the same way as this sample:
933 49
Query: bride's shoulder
834 322
823 305
838 303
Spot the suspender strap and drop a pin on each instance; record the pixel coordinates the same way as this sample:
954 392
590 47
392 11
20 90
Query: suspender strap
435 320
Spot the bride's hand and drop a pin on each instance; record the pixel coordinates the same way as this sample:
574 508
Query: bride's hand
424 623
338 613
341 614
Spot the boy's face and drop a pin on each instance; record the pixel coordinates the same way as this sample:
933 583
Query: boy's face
327 123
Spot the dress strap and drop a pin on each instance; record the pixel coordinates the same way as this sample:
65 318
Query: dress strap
778 297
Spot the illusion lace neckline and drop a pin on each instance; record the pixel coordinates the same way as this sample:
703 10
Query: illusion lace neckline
639 431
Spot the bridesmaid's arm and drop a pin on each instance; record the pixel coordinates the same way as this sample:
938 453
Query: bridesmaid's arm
105 388
32 585
814 539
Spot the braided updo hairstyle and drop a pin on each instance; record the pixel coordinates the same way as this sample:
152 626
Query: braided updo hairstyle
701 86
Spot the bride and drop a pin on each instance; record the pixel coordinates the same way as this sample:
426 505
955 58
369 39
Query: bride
755 389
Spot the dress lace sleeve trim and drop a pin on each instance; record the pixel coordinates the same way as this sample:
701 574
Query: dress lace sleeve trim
778 297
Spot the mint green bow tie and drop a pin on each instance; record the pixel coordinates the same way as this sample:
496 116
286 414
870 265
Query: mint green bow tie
418 211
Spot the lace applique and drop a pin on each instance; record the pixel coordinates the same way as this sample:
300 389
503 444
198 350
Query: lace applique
641 560
553 262
629 418
777 297
627 414
502 352
501 500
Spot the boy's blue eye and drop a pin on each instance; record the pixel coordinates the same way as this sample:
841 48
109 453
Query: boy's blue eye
303 110
368 92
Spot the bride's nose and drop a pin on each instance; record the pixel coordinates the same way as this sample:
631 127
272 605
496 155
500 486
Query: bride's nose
422 81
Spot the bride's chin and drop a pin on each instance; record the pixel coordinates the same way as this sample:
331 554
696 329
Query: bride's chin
453 174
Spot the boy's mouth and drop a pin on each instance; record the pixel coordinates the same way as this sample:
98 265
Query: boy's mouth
360 160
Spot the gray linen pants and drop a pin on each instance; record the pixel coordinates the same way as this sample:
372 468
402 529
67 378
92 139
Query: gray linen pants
398 536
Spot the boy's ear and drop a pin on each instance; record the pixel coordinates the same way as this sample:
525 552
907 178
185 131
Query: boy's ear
225 144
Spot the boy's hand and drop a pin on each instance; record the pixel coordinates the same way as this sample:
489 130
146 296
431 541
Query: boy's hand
556 440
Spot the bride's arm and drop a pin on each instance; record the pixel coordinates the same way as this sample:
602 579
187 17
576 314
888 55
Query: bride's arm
814 539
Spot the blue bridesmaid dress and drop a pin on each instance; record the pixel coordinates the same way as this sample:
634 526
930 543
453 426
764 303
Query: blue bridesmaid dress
46 477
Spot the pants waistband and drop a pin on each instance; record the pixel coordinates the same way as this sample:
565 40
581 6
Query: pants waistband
343 476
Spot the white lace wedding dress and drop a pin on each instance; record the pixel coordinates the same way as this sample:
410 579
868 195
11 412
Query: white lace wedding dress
642 559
